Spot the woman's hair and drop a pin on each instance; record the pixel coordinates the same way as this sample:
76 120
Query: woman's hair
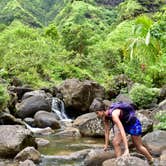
99 107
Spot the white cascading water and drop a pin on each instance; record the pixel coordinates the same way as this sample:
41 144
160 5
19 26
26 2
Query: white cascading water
37 130
59 108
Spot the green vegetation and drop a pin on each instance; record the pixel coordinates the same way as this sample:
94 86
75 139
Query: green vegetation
3 97
143 96
161 117
44 42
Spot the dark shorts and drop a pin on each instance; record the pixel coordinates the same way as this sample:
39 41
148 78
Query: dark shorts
134 129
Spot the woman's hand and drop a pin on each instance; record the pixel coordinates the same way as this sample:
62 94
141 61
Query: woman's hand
126 153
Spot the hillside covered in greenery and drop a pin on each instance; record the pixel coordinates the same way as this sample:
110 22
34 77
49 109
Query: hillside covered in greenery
45 42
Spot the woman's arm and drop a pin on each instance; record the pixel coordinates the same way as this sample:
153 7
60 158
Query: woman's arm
116 120
107 133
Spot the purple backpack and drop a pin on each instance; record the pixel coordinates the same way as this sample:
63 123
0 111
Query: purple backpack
128 112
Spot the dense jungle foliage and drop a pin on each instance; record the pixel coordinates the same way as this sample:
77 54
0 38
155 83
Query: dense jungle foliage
45 42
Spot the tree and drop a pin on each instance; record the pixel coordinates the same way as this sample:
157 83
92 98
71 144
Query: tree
76 38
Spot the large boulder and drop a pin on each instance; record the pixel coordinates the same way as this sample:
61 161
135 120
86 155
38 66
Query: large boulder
33 102
13 139
46 119
155 141
89 125
78 95
125 161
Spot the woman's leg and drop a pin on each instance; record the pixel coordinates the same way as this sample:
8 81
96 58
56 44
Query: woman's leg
117 141
140 147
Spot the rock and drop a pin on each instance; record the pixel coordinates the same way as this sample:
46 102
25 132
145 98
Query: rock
147 124
20 90
13 139
40 93
33 102
119 84
79 95
163 156
97 156
8 119
125 161
30 121
41 142
89 125
69 132
124 98
27 163
155 141
28 153
79 155
46 119
162 105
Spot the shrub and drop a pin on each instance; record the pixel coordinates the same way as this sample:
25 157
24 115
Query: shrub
142 96
161 117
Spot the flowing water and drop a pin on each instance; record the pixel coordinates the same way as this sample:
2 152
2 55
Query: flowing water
57 152
59 108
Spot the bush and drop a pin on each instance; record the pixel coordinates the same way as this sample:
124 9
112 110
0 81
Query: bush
142 96
3 97
161 117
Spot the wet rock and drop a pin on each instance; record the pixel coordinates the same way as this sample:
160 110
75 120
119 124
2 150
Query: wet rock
79 155
69 132
41 142
30 121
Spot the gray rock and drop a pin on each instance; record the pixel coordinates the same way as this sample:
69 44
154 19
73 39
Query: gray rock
79 95
125 161
155 141
29 153
89 125
13 139
33 102
46 119
27 163
97 156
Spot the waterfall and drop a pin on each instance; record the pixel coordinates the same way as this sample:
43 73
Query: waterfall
59 108
37 130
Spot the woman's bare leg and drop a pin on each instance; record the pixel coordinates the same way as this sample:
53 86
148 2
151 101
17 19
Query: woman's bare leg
141 148
117 141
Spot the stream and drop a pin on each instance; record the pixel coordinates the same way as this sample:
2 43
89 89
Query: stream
63 151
